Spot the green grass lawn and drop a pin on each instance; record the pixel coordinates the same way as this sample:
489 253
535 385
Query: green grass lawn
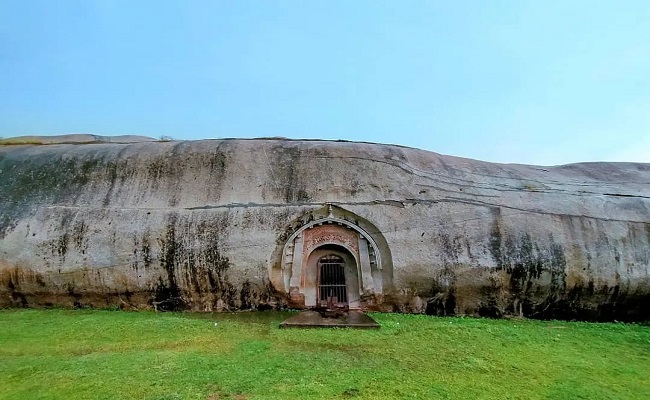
68 354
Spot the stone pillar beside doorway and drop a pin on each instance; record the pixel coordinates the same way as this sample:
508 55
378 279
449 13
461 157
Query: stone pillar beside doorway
367 284
296 296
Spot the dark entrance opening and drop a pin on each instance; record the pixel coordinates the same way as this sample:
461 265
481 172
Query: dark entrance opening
331 281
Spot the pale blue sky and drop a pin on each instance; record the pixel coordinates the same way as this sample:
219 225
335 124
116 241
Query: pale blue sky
543 82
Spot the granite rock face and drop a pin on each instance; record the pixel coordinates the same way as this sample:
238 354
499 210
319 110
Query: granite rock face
215 225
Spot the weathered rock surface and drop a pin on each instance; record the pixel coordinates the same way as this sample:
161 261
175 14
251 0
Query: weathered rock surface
203 225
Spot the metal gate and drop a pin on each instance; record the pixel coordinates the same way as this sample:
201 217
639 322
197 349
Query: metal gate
331 278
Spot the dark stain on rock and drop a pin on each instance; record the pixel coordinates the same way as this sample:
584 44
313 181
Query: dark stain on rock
537 286
164 173
61 246
441 299
211 264
491 303
525 263
67 237
522 262
23 287
451 247
18 299
79 238
146 251
537 277
51 178
167 295
76 302
142 252
260 297
116 172
196 270
287 177
496 240
592 303
442 303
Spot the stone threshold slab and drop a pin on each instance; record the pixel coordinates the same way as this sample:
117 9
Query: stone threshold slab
313 319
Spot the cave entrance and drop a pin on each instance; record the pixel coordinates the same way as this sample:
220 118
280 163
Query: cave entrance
306 269
332 278
332 288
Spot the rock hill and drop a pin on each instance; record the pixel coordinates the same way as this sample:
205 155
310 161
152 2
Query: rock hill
252 224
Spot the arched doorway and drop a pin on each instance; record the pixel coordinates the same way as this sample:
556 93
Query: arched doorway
331 271
322 232
331 281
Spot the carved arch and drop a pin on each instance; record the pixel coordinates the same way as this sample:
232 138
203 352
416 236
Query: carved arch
337 227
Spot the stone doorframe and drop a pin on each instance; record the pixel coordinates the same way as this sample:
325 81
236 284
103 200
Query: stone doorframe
311 279
299 274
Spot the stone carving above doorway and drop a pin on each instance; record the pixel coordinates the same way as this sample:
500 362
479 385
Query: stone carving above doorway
337 233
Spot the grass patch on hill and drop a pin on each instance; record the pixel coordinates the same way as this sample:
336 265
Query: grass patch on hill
19 141
68 354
